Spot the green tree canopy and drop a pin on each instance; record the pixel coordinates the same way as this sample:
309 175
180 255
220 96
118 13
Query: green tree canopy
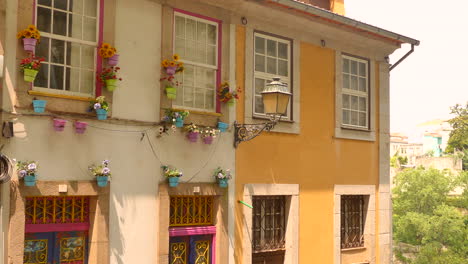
458 140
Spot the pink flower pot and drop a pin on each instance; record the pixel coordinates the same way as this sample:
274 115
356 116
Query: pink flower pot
208 140
80 127
192 136
171 70
59 124
29 44
114 60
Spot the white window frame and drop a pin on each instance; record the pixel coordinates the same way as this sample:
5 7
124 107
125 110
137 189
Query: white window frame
269 76
359 94
52 36
197 64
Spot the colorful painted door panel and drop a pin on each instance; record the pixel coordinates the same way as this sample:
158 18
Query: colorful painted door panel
37 248
190 250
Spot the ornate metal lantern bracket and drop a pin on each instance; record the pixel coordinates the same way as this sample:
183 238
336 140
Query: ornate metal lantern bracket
246 132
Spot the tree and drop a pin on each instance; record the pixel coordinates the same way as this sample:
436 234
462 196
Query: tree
458 140
425 221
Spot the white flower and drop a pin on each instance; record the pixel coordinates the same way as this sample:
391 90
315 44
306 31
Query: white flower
32 166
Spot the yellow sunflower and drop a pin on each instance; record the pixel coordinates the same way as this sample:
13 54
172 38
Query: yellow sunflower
102 52
114 50
176 57
27 34
106 45
110 53
32 27
19 35
180 64
165 63
172 64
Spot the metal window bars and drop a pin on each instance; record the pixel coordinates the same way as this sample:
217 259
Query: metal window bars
352 221
269 225
191 210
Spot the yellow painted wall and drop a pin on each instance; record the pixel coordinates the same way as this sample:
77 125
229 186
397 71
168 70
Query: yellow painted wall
314 159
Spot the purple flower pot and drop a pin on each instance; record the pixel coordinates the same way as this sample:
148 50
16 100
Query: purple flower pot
80 127
59 124
208 140
192 136
114 60
171 70
29 44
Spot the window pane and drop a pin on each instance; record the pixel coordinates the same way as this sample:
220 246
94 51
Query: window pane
89 27
43 19
282 68
258 104
346 103
191 29
354 83
345 65
362 84
188 97
74 28
362 104
354 118
60 22
56 77
60 4
259 85
180 26
58 51
42 76
201 53
271 48
362 69
199 98
188 76
260 45
211 55
212 34
354 67
87 82
362 119
282 50
73 80
73 54
271 65
190 52
87 57
201 32
45 2
209 78
76 6
354 102
346 81
260 63
42 49
345 117
90 7
209 99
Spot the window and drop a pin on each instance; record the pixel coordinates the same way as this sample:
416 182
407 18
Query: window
352 221
69 41
355 93
196 41
191 210
272 59
268 223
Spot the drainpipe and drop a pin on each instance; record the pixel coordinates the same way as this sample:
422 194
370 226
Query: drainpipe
402 58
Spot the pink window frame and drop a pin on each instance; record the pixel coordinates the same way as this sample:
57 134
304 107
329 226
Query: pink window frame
98 90
220 32
193 231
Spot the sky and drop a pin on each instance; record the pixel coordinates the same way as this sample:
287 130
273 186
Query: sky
433 78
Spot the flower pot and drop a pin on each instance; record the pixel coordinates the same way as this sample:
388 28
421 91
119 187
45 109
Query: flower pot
30 180
80 127
223 126
29 44
30 75
208 140
173 181
179 122
111 84
231 102
102 180
114 60
171 93
39 105
223 183
171 70
192 136
59 124
101 114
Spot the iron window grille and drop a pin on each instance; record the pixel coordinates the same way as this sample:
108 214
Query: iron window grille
352 221
269 223
191 210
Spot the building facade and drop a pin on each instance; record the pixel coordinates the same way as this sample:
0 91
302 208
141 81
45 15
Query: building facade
323 164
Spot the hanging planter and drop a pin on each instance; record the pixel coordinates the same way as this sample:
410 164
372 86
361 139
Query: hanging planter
175 117
208 140
111 84
101 114
173 181
171 70
208 134
192 136
100 106
102 180
59 124
179 122
30 75
222 177
222 126
172 174
30 36
231 102
114 60
30 67
80 127
223 183
171 92
227 96
39 105
30 180
101 172
27 170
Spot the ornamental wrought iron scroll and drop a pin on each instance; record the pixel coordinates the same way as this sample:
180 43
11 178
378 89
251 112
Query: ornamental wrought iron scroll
246 132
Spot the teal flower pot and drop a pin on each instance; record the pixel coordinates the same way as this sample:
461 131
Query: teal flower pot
39 105
30 180
179 122
222 126
102 180
101 114
173 181
223 183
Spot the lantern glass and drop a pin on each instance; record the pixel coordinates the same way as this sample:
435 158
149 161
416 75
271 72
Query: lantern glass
276 98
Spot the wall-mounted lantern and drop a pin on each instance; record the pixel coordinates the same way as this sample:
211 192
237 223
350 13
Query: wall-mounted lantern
275 98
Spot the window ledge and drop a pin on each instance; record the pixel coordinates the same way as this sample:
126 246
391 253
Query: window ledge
354 134
353 249
70 97
198 112
267 119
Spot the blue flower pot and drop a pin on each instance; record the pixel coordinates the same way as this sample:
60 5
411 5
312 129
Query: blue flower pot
30 180
223 183
39 105
102 180
179 122
173 181
222 126
101 114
